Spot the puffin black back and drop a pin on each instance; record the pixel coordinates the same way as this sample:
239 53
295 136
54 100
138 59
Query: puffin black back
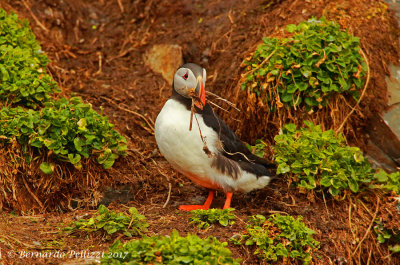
233 147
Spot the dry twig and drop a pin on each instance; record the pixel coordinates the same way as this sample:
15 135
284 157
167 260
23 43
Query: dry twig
32 194
350 224
224 100
215 105
121 7
99 71
369 227
151 130
29 246
362 93
326 206
261 64
34 17
169 195
191 116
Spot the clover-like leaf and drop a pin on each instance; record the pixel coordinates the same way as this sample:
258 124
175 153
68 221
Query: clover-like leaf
318 56
47 168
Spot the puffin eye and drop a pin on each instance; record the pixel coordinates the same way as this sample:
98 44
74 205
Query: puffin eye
185 76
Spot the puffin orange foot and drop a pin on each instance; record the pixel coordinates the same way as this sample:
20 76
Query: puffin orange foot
205 206
228 200
192 207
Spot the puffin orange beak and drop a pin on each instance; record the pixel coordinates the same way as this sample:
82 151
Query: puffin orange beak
200 93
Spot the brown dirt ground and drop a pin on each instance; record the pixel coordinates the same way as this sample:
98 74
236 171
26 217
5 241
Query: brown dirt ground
105 67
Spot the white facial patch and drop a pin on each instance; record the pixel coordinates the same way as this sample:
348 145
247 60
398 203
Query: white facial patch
184 81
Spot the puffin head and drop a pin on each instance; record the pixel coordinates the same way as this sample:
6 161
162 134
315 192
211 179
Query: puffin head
189 82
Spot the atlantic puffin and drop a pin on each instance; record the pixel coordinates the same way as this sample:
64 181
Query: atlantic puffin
198 144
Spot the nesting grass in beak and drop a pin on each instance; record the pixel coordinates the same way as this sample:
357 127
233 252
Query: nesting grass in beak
198 94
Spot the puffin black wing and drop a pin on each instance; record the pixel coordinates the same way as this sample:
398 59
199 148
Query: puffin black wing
234 153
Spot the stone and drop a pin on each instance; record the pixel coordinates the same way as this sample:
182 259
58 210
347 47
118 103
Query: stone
384 138
378 158
393 85
120 193
164 59
392 119
395 6
37 243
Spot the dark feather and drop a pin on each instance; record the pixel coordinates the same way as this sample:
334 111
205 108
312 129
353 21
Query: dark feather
226 166
233 148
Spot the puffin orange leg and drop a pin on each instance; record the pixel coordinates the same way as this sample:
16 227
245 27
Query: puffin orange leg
205 206
228 200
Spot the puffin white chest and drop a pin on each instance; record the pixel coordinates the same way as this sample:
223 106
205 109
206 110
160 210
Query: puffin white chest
182 147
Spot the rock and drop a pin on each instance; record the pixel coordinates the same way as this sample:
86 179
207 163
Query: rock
384 130
121 193
392 119
393 85
395 6
78 217
378 158
385 139
164 59
37 243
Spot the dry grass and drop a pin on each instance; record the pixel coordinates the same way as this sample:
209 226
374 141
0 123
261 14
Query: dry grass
24 187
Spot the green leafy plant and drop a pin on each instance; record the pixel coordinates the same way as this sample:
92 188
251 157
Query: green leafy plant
318 158
204 218
392 236
172 249
23 76
279 237
113 222
317 61
66 129
258 148
388 182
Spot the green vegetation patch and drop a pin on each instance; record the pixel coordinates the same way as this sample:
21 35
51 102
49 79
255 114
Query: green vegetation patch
70 130
258 148
317 61
23 76
172 249
279 237
318 158
386 235
204 218
113 222
388 182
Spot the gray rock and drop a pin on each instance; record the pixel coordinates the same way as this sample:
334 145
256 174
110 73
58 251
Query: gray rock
385 142
37 243
121 193
164 59
392 119
393 85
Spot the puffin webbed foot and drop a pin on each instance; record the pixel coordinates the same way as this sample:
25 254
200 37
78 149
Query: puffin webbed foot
192 207
205 206
228 200
208 202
